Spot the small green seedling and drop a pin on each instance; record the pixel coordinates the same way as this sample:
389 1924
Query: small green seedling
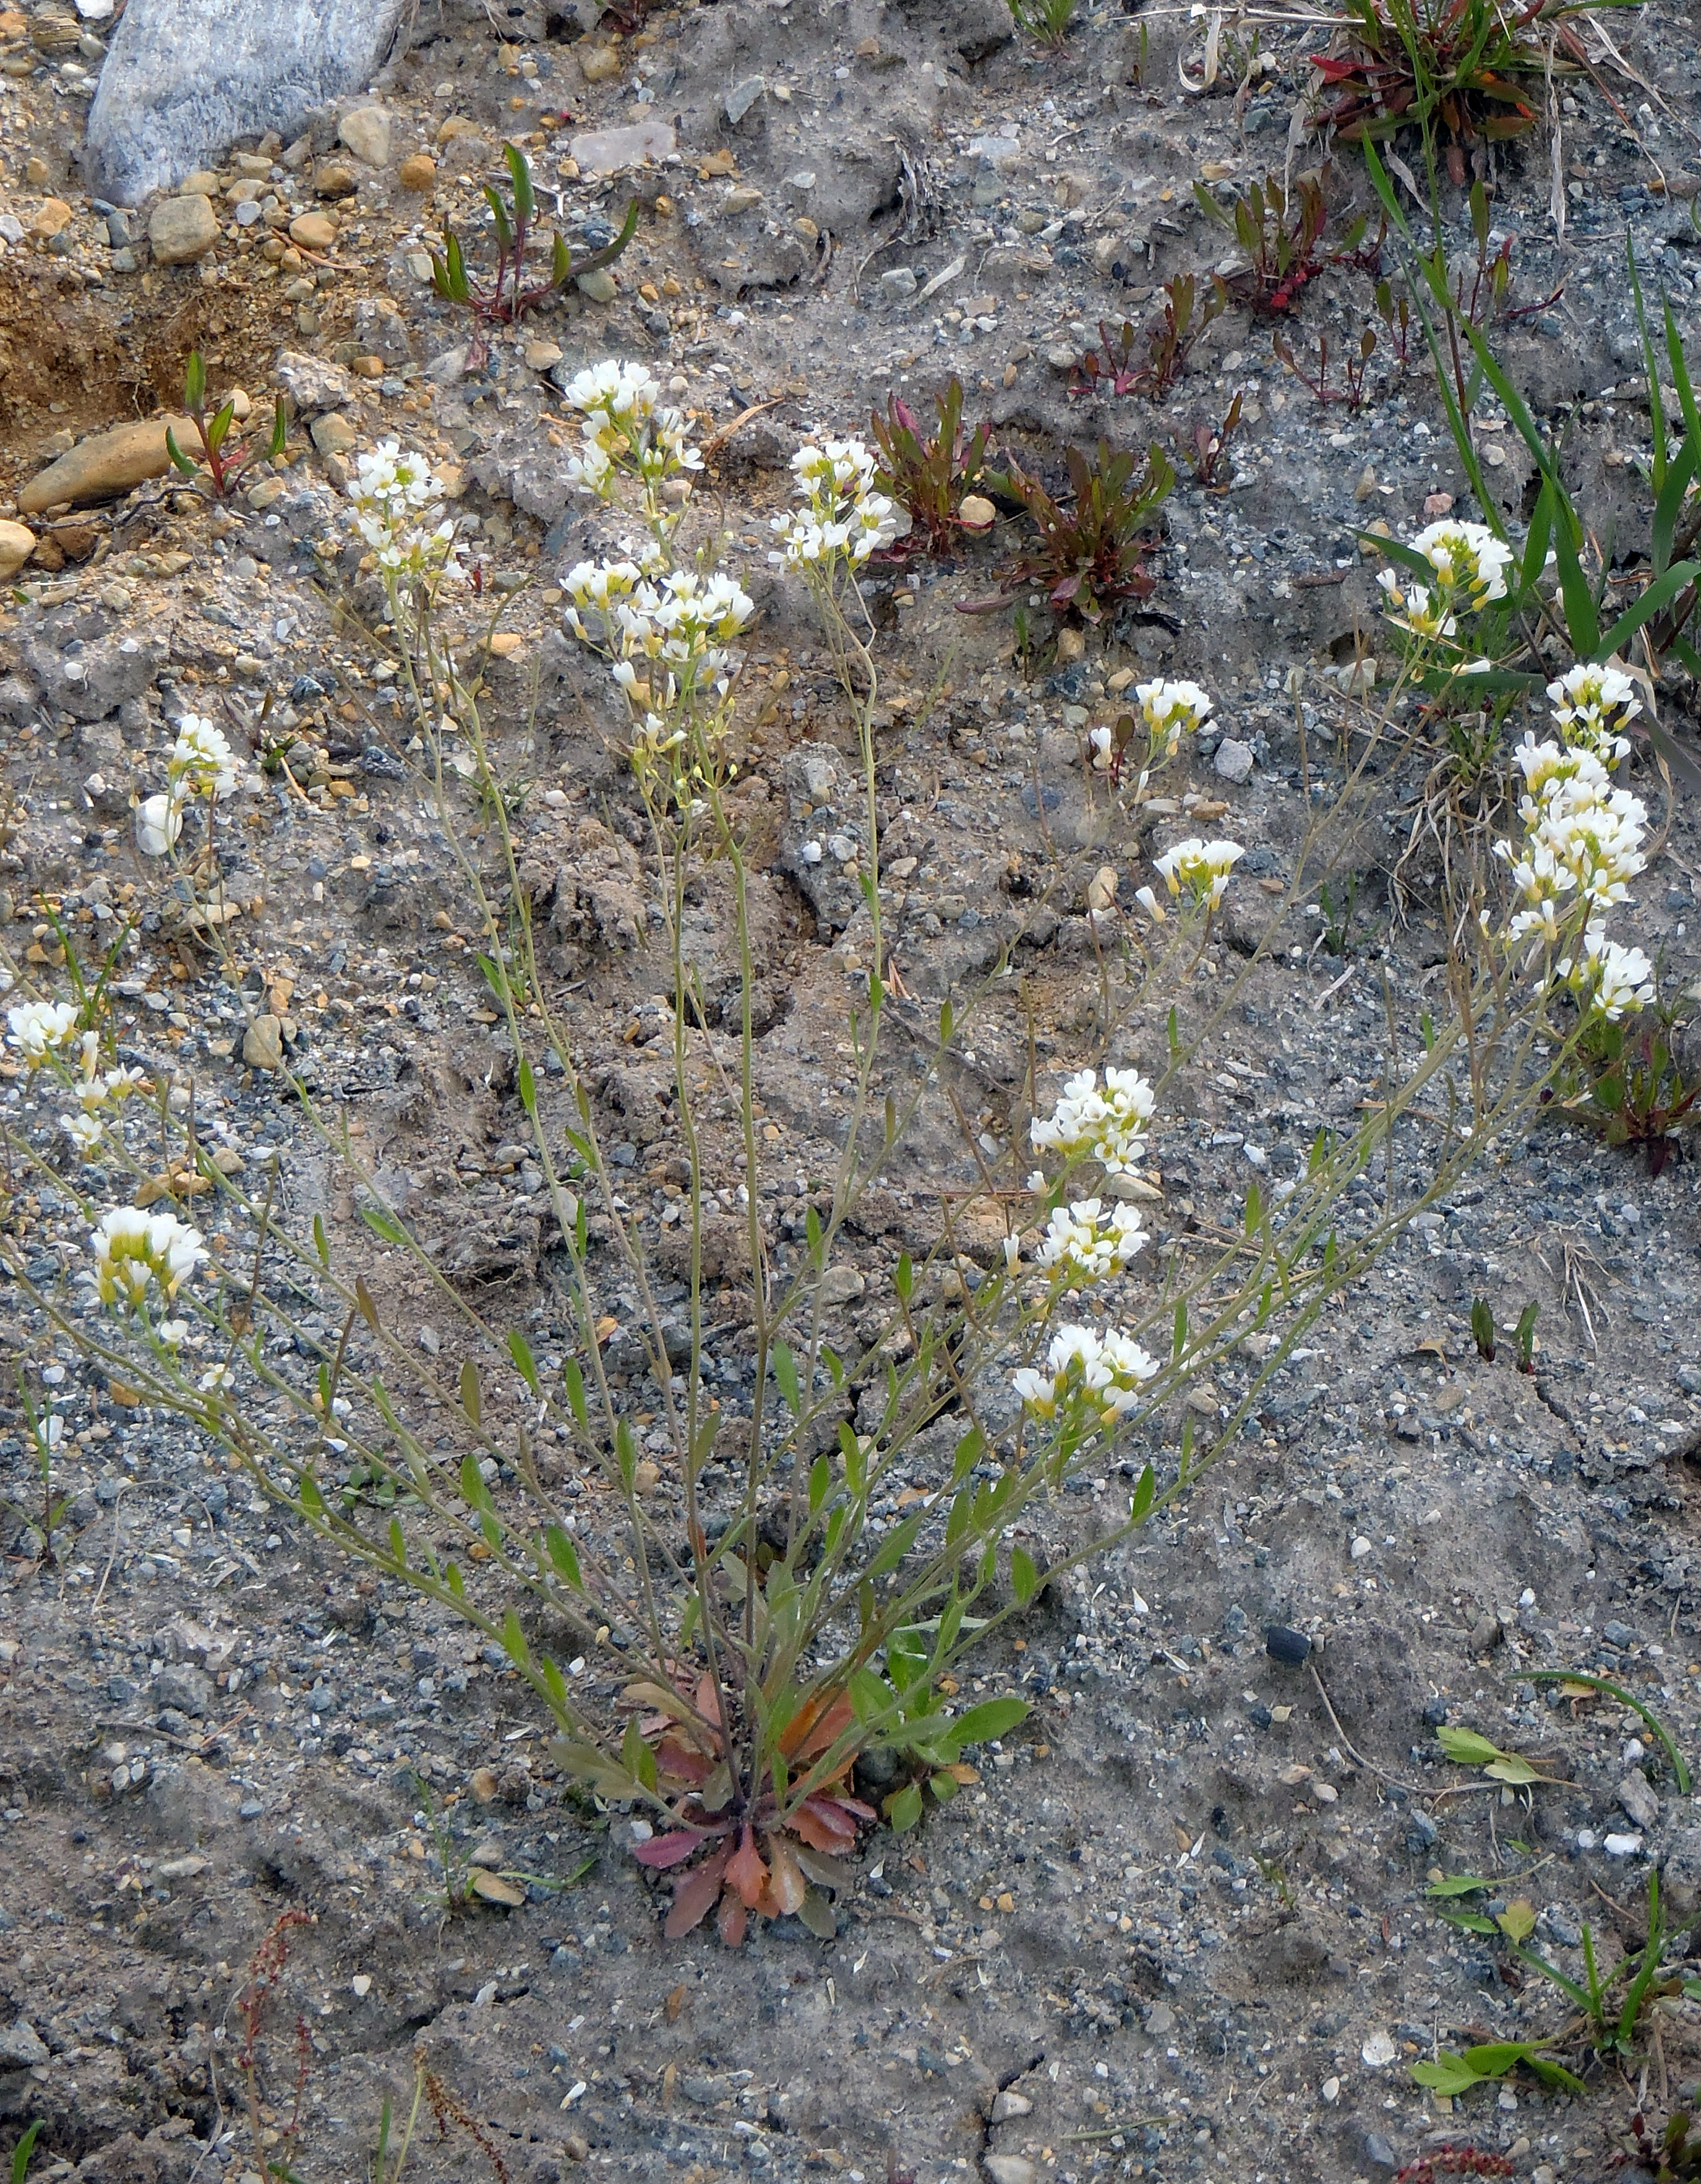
1616 2035
509 297
1466 1748
1523 1335
1048 21
223 472
1453 2074
22 2151
1482 1328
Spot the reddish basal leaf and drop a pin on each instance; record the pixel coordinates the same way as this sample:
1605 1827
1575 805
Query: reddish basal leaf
694 1895
745 1870
786 1887
732 1921
664 1851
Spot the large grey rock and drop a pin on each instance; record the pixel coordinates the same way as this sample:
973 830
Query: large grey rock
183 78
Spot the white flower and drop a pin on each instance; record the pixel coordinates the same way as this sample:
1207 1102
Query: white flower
38 1028
1202 868
1168 709
1012 1251
215 1377
1592 705
202 760
1470 562
137 1251
1038 1393
1149 903
396 495
626 426
85 1132
1084 1242
158 822
1416 608
1102 742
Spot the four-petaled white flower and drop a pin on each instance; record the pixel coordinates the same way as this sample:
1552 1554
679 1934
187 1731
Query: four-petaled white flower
1169 710
1608 981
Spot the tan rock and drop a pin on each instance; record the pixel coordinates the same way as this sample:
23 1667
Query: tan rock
53 216
540 355
333 434
418 171
335 179
976 512
107 464
262 1044
255 164
366 132
182 229
35 170
202 183
598 64
453 126
17 544
313 231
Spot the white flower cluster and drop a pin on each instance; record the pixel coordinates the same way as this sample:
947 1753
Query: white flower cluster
1201 868
841 517
137 1253
680 621
39 1029
1085 1241
397 500
1170 709
1583 845
626 426
1608 981
1470 563
1592 705
1110 1125
1582 838
96 1090
200 763
1087 1372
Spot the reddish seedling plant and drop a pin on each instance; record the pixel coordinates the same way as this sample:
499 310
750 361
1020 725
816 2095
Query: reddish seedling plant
1280 231
1354 390
255 1999
513 292
1469 71
223 461
1207 450
928 473
1092 549
1454 2161
684 1743
1150 362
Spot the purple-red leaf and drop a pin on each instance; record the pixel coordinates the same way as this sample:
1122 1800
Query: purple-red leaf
673 1849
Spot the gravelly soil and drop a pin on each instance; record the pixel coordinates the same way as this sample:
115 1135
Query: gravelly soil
1179 1926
